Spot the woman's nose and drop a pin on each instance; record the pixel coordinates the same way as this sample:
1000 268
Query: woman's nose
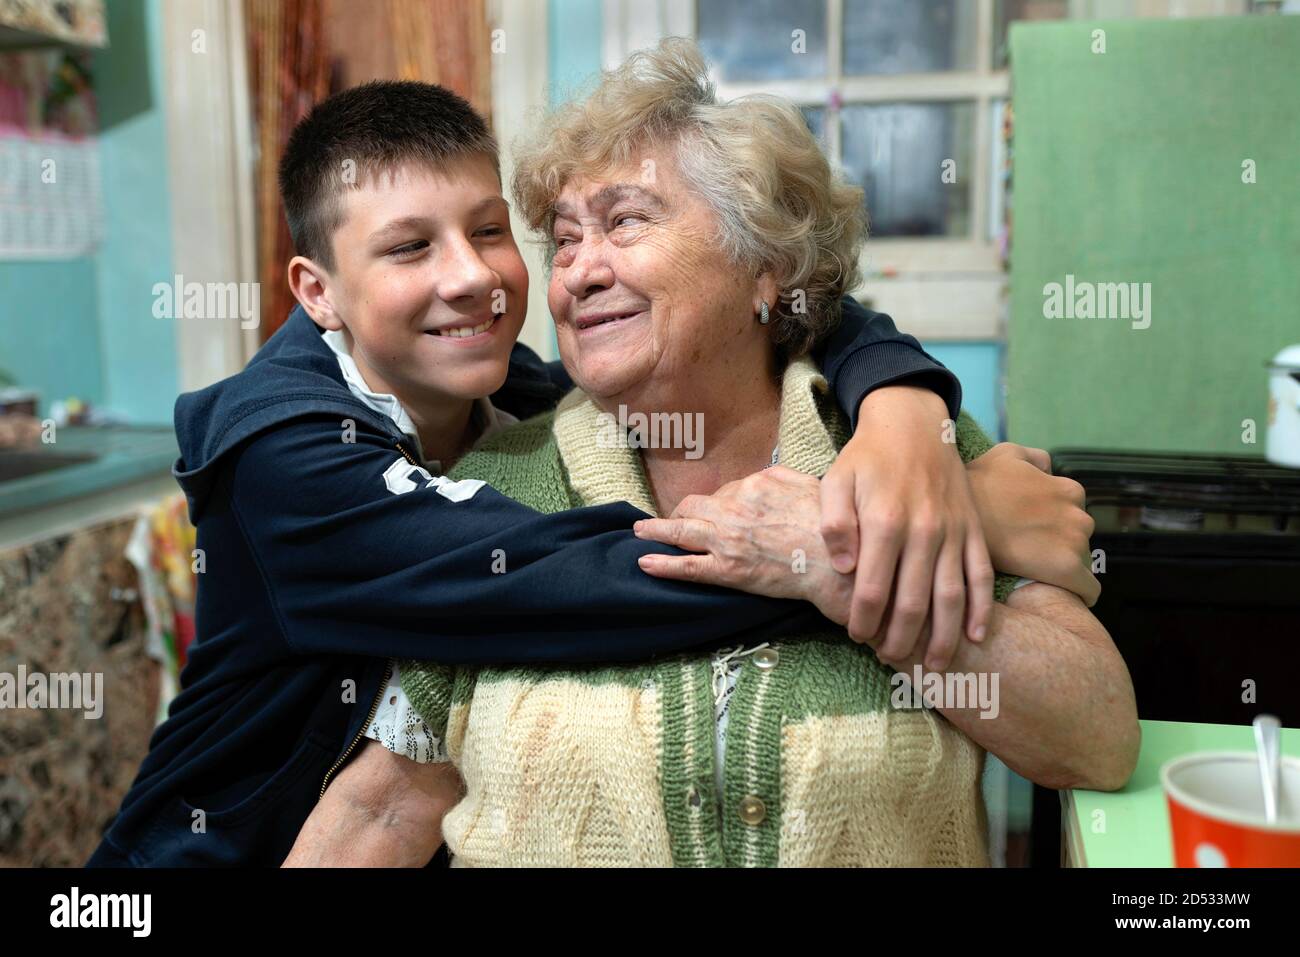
462 273
590 270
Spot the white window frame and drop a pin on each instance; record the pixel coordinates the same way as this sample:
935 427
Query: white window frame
520 81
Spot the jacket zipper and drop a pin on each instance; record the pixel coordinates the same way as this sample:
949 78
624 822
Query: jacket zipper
406 454
374 707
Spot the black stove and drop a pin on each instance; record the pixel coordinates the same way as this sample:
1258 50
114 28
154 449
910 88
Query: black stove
1201 587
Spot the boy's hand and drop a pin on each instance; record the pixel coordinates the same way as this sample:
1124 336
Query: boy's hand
897 507
1034 522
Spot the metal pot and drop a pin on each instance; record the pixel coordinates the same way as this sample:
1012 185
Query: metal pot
1282 447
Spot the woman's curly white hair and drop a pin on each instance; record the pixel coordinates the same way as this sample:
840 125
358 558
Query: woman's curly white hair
779 205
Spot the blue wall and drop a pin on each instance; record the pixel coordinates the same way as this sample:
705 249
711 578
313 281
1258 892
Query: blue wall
139 351
978 366
85 327
49 331
575 38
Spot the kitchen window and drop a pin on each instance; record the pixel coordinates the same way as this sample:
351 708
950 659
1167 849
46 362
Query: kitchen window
908 99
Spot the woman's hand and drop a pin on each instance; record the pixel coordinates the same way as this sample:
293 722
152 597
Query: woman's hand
760 534
1034 522
897 507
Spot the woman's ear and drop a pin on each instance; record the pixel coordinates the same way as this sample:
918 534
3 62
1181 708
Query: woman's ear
309 284
766 291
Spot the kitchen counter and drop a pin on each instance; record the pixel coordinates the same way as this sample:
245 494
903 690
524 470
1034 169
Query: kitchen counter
130 464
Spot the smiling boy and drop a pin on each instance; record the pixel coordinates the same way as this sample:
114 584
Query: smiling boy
429 320
331 541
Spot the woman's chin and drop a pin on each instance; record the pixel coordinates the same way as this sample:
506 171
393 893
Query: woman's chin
603 373
604 382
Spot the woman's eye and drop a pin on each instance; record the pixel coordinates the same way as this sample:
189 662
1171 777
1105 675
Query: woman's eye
624 218
566 251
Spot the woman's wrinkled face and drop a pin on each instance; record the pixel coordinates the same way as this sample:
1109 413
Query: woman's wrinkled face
640 291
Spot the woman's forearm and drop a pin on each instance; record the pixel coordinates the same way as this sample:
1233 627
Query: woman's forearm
383 810
1065 711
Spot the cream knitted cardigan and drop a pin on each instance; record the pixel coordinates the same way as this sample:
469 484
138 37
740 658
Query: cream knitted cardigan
610 766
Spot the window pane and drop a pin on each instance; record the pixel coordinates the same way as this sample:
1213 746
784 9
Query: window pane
999 120
815 117
897 153
1007 11
756 39
908 36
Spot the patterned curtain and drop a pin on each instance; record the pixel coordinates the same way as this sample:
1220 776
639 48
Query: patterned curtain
454 53
289 68
300 51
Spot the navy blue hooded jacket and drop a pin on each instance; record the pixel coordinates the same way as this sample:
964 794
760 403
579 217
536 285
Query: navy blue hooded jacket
314 573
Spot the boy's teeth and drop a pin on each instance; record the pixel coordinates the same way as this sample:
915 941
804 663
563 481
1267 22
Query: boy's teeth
461 332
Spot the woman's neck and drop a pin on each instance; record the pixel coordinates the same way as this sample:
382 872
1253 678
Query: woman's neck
743 449
736 424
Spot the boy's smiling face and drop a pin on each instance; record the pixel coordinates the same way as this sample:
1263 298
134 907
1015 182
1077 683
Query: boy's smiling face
427 282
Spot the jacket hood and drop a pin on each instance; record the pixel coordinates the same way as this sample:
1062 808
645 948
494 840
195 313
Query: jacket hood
294 374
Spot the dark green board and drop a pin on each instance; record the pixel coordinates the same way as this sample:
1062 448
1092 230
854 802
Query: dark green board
1128 168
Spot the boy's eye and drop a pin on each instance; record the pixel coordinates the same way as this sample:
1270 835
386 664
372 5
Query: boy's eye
490 231
409 249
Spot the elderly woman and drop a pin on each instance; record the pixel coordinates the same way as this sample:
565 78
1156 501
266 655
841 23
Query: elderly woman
698 249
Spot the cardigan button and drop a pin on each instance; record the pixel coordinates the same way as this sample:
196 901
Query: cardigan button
752 810
766 658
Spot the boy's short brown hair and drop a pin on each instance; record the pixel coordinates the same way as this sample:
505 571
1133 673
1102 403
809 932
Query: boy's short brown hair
368 130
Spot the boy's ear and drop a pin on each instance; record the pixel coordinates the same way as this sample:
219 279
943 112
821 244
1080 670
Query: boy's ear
309 284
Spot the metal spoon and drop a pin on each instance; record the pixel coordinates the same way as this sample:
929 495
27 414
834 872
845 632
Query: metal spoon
1268 746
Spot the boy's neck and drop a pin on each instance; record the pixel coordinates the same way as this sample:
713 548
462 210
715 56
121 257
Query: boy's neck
445 424
446 428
